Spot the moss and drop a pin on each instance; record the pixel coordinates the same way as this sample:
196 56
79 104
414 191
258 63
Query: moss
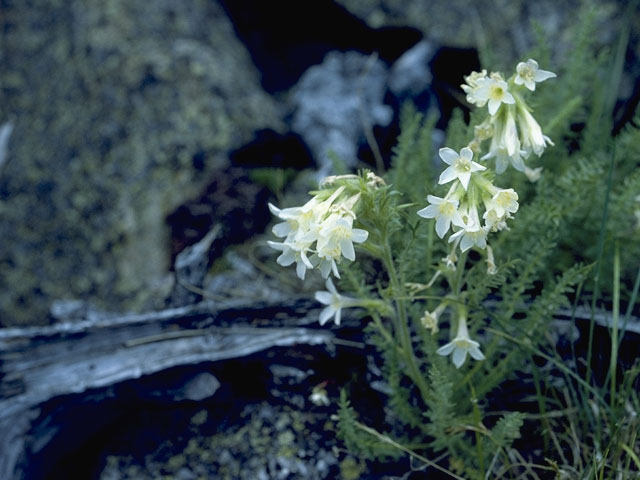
351 469
101 155
175 463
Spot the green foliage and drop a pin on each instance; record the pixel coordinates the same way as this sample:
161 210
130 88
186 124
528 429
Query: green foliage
413 156
507 429
358 441
275 179
441 413
506 296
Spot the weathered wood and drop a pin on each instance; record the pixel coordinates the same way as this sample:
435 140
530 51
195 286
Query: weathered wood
40 363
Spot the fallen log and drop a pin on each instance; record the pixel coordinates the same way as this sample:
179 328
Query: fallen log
41 363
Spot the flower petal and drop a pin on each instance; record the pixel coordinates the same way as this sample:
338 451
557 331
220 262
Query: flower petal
508 98
323 297
459 356
464 179
449 174
446 349
466 153
442 225
542 75
493 106
286 258
359 235
301 270
448 155
326 314
476 353
346 246
430 211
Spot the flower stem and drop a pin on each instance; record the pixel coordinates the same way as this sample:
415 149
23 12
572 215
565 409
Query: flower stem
401 323
613 364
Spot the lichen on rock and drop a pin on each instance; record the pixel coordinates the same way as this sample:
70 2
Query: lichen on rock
122 111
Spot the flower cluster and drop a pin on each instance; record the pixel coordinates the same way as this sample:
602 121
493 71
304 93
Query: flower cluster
513 131
319 233
470 192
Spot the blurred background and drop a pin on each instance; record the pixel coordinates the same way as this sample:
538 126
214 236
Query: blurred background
129 130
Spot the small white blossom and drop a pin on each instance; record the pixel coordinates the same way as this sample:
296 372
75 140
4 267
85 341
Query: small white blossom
531 133
319 397
505 202
334 303
430 319
492 269
294 250
528 74
494 91
472 234
461 166
335 239
444 211
533 174
471 87
494 222
327 223
461 346
505 144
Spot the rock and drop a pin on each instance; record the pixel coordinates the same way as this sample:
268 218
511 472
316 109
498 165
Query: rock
191 267
335 101
410 74
203 385
5 135
505 27
145 106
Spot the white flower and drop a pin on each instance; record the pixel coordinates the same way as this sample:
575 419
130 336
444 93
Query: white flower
494 91
505 144
334 303
492 269
461 346
335 239
328 223
471 87
294 251
319 397
528 74
505 202
430 319
531 133
533 174
473 234
494 222
461 166
444 211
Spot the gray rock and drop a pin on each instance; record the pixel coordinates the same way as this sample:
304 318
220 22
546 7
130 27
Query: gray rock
5 135
410 74
145 106
505 27
203 385
335 101
191 267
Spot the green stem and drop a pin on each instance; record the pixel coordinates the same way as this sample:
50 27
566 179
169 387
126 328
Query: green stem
401 324
616 313
477 417
457 284
596 279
